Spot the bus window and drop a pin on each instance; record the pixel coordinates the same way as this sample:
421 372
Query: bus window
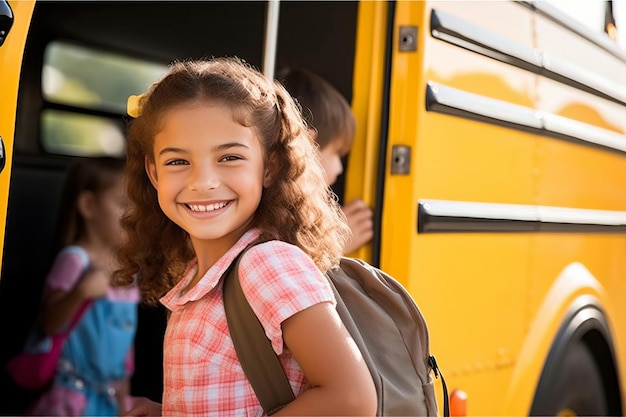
588 13
78 134
85 93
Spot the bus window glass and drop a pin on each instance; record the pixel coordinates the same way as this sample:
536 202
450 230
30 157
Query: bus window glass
69 133
85 77
588 13
81 80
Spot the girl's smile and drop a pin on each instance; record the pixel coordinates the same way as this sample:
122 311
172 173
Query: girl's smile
208 210
210 207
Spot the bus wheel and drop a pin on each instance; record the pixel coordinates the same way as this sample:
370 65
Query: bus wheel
573 386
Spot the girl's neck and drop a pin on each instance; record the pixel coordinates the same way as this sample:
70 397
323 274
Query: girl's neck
208 252
98 251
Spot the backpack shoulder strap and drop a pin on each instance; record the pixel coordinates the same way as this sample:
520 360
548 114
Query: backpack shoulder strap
254 349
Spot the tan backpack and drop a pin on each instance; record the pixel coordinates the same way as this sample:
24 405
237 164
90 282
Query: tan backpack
384 321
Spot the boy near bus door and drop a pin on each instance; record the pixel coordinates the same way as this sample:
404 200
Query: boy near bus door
94 370
331 123
226 155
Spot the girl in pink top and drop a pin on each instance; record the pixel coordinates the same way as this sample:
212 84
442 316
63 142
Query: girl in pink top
97 361
226 156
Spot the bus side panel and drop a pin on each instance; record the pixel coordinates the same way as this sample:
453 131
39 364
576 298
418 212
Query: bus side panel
457 276
576 172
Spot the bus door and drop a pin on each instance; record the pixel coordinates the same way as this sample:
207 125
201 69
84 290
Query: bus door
14 21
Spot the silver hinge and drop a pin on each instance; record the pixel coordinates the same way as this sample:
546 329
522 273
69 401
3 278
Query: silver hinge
407 40
400 160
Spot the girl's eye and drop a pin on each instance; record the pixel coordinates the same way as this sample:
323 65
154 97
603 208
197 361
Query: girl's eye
230 158
176 162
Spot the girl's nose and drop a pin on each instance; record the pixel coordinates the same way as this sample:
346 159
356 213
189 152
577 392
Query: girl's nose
204 178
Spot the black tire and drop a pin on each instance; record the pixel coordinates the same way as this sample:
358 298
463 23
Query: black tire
573 386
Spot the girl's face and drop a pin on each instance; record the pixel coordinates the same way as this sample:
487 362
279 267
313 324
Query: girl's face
330 157
208 171
108 208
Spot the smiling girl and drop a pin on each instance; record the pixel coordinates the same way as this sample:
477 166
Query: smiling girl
220 158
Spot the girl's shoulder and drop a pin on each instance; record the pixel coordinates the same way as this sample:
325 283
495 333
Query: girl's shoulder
68 267
274 247
275 255
279 280
73 257
78 253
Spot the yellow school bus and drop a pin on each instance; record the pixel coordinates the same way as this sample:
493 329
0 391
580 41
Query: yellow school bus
490 143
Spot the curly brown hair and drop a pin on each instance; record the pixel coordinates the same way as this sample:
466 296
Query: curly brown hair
297 207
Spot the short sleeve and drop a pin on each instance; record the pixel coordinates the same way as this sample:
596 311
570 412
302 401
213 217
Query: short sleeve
280 280
67 268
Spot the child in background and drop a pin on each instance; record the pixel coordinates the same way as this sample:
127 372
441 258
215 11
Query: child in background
226 155
95 366
331 124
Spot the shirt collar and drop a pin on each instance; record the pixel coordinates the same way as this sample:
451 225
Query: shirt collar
177 297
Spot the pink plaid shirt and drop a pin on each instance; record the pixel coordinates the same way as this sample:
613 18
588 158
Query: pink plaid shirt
202 374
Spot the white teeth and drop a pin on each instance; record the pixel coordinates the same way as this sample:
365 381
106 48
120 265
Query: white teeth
208 207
